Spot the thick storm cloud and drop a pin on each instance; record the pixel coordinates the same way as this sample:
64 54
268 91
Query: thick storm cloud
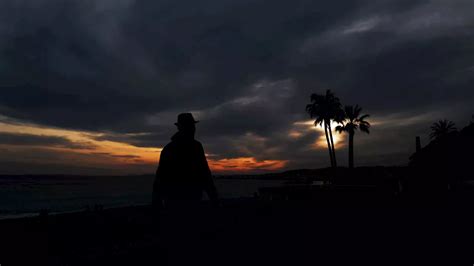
123 69
35 140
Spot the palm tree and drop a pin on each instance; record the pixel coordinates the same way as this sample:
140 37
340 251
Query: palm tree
442 128
317 109
325 108
353 120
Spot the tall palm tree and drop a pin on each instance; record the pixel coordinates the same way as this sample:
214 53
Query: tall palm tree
353 120
317 110
325 108
442 128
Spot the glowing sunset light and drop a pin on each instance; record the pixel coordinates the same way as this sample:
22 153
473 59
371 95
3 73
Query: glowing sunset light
87 149
295 134
321 141
337 138
112 151
245 164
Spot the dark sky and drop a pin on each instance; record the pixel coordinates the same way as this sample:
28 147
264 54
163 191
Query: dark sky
80 78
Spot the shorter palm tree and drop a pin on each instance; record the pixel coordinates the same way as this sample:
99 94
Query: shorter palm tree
442 128
351 122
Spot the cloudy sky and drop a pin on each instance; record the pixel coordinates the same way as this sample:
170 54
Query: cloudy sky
94 86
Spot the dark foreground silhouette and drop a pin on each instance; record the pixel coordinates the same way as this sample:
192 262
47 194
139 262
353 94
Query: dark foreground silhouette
445 164
183 173
242 233
416 215
357 220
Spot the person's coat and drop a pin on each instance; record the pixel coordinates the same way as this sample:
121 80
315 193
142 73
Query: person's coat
183 172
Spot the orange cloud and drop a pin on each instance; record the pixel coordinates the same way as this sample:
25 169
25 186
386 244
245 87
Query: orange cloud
245 164
320 143
98 151
119 155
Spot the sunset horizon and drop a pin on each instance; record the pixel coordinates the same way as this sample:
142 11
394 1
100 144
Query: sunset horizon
235 132
98 85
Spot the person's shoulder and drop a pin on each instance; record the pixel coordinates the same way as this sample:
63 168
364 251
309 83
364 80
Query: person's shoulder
168 146
198 144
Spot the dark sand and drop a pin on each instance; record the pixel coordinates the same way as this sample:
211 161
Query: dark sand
245 232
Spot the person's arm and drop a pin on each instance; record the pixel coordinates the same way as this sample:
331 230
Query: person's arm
209 186
157 184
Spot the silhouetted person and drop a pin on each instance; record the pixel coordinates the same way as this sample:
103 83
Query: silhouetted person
183 173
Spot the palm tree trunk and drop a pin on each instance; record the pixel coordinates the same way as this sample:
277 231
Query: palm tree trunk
351 149
332 146
329 144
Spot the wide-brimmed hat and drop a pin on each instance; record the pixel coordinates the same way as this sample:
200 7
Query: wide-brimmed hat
186 119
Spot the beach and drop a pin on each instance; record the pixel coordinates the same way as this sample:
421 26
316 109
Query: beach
266 222
240 232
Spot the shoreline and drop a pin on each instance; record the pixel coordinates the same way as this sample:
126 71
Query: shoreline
37 214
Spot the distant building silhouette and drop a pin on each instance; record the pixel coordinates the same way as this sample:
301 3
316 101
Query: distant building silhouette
444 162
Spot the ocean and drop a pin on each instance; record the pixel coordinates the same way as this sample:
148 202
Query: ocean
22 196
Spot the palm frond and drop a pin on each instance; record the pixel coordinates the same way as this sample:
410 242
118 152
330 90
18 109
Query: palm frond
340 129
357 110
441 128
365 128
363 117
